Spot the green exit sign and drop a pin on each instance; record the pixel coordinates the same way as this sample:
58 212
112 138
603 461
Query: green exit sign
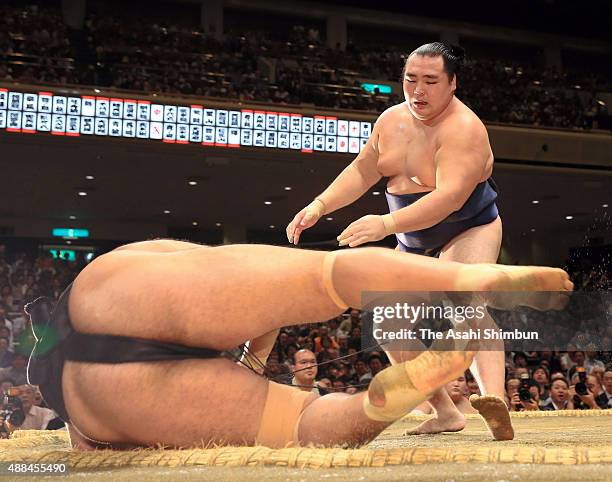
382 88
70 233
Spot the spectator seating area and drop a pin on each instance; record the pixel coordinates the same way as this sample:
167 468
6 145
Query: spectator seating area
155 56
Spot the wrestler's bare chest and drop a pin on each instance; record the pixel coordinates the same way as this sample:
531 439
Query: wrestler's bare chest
406 154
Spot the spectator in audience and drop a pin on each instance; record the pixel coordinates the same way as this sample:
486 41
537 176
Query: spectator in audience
458 391
36 418
6 355
304 370
541 377
375 363
560 396
578 359
17 370
5 323
338 386
512 386
324 338
520 360
518 404
362 371
604 399
589 400
472 384
5 384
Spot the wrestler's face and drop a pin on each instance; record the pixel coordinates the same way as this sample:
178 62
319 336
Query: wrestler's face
427 88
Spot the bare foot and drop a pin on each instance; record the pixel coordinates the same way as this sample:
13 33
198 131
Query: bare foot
432 369
399 388
454 422
530 285
495 414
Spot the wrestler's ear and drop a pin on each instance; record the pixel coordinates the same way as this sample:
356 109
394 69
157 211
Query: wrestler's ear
453 83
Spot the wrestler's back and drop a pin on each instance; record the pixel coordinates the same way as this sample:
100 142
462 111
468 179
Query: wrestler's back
407 147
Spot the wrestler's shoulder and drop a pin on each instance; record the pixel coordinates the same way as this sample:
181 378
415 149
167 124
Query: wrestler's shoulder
391 114
463 121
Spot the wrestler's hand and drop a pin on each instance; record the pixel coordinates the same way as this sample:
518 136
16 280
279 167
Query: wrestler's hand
305 219
364 230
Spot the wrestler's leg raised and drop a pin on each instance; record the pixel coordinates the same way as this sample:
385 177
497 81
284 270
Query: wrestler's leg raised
218 298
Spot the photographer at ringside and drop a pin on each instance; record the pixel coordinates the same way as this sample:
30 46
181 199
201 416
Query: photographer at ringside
584 391
525 396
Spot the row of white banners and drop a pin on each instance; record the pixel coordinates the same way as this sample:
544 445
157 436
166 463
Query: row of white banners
45 112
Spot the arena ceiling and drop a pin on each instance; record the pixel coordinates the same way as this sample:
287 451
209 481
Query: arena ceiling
135 181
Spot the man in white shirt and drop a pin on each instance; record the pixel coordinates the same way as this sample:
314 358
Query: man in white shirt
305 371
36 418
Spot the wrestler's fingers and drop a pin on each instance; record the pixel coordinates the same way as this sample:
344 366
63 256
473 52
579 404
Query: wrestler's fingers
296 235
348 231
290 231
347 240
359 241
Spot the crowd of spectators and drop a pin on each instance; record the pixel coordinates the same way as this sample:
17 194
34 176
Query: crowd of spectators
272 67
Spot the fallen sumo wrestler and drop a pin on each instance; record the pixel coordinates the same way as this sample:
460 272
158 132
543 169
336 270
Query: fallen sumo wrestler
132 354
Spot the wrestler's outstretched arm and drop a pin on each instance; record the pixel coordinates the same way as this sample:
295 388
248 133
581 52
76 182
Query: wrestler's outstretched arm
350 185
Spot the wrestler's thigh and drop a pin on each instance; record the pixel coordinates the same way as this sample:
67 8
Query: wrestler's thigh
213 297
480 244
176 403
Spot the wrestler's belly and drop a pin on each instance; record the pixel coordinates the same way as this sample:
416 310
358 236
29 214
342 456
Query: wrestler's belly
175 403
406 185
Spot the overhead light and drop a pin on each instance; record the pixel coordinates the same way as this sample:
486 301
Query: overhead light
604 205
329 219
569 217
272 226
82 193
192 183
97 91
267 203
535 201
72 217
533 230
376 193
287 188
218 225
195 223
166 211
68 242
89 178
